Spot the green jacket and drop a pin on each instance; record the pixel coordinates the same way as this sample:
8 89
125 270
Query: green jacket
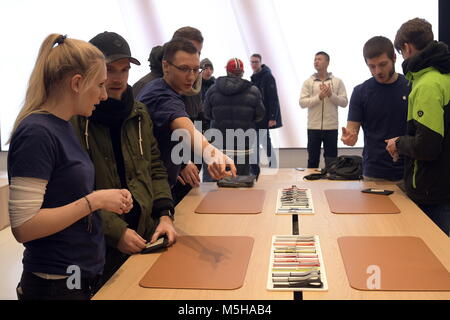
146 175
427 143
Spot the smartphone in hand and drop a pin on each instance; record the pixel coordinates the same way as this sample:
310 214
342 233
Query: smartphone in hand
158 244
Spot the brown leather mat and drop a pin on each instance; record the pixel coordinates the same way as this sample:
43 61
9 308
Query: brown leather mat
223 201
344 201
201 262
392 264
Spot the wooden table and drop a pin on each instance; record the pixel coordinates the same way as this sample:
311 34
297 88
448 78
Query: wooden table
410 222
125 283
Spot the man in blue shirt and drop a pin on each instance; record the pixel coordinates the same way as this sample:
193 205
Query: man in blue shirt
378 105
168 112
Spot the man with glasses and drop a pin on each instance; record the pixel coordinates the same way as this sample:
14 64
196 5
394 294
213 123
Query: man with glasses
189 174
181 66
262 78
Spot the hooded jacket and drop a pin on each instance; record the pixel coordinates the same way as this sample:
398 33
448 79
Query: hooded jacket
427 143
156 70
144 173
323 114
206 84
233 103
265 82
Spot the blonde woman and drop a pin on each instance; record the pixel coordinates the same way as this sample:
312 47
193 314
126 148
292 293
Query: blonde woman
53 209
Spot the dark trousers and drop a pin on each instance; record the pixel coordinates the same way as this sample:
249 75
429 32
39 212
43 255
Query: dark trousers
179 191
32 287
114 259
440 214
315 139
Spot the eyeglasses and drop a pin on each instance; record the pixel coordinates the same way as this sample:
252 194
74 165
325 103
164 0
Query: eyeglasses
186 69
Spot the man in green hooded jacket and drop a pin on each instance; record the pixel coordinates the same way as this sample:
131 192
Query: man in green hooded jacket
119 139
426 145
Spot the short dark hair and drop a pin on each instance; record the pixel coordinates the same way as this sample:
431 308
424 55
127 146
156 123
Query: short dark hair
188 33
323 53
417 32
376 46
180 44
256 55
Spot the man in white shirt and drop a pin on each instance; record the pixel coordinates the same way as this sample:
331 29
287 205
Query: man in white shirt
322 93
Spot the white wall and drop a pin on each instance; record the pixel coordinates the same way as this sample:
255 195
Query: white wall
3 157
287 33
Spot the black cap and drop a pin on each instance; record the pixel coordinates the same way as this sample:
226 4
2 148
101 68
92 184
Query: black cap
113 46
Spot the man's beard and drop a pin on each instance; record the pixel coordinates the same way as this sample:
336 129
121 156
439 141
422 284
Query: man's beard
391 73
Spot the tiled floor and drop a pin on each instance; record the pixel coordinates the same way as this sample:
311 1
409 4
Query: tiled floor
10 264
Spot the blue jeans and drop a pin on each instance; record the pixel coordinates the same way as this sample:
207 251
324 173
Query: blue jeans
440 214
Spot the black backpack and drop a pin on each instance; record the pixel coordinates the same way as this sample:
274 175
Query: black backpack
340 168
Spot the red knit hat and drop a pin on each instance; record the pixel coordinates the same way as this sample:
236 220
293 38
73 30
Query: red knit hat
235 66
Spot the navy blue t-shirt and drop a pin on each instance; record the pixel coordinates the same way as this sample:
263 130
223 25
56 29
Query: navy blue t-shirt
164 106
382 111
46 147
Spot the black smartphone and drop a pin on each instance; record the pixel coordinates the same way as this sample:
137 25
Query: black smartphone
157 245
378 191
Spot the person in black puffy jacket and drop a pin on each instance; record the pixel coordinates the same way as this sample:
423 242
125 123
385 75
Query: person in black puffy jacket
234 103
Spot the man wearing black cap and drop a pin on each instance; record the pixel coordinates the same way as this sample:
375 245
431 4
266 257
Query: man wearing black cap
119 139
